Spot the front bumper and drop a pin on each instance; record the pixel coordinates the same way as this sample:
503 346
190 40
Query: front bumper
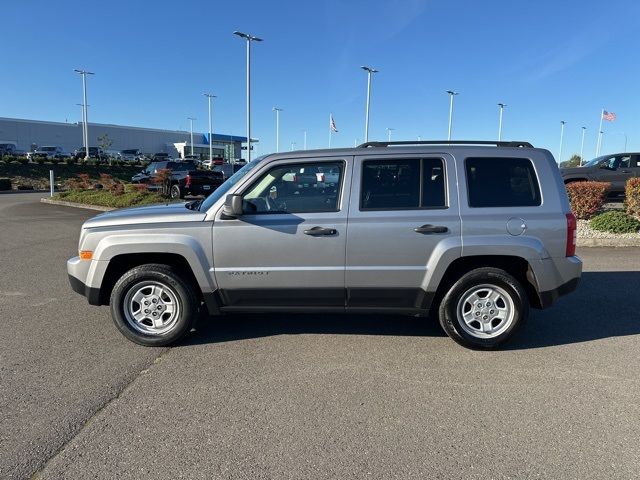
77 269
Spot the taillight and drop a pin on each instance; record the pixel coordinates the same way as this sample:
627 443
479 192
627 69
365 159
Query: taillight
187 181
295 179
572 234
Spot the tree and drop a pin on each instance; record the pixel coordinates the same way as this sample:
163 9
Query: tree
574 161
104 142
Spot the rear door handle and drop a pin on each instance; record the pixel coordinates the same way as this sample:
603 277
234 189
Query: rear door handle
431 229
319 231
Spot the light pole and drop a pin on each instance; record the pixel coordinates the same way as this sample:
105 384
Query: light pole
191 119
277 110
562 123
451 95
625 139
501 105
305 139
249 39
582 146
389 130
369 71
85 118
293 144
209 98
84 138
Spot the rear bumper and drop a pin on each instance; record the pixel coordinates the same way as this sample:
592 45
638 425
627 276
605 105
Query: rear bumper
561 274
550 297
198 189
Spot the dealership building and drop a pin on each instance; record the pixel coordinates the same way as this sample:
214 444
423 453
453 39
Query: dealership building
26 135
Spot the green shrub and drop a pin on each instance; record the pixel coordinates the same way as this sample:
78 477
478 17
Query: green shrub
5 184
103 197
615 222
587 198
632 197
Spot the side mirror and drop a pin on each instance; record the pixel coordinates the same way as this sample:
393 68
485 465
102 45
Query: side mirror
232 207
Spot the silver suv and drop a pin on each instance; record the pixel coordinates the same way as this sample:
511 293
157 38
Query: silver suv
473 233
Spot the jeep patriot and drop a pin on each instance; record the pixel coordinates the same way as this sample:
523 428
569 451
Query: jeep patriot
473 232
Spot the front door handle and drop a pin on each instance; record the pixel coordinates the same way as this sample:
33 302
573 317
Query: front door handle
318 231
431 229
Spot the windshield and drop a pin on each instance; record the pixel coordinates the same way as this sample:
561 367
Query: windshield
595 161
230 182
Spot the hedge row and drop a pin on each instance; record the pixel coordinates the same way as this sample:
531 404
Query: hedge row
587 198
5 184
632 194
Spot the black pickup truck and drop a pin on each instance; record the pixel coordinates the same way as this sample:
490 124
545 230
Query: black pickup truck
186 179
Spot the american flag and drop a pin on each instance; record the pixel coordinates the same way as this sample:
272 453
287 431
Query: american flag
610 116
332 123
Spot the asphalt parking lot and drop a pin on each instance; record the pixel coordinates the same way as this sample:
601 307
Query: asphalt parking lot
308 396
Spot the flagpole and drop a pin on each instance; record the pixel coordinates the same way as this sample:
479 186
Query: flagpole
599 143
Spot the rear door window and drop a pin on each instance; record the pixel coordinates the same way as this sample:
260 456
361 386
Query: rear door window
403 184
502 182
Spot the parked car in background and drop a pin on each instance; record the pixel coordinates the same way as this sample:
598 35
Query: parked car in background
614 168
129 155
160 156
210 163
94 152
458 230
186 179
8 148
49 152
228 169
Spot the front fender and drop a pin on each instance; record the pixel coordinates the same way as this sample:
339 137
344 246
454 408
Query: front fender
133 243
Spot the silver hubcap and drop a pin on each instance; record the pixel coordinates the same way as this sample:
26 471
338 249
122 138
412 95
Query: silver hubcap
485 311
151 308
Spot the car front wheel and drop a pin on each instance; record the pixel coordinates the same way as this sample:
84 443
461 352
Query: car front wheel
484 309
154 306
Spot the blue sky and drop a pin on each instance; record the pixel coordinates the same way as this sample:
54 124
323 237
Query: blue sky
547 60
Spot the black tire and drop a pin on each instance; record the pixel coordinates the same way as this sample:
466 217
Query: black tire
459 330
176 191
184 296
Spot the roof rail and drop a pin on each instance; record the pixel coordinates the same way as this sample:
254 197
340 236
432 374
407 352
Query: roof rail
448 142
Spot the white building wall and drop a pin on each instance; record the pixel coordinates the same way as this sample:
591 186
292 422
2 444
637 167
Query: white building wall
68 136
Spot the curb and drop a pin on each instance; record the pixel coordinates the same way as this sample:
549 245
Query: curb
76 205
12 192
608 242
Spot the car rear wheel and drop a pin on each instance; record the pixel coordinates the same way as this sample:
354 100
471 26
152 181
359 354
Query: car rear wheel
484 309
154 306
176 192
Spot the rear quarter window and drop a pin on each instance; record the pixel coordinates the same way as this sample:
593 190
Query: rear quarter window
502 182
